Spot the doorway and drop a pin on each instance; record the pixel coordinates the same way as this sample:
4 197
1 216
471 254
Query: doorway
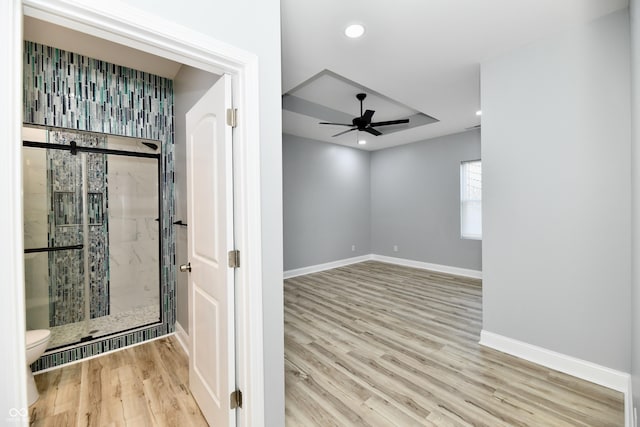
242 66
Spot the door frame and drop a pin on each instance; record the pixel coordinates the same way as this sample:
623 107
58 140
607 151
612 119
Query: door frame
127 25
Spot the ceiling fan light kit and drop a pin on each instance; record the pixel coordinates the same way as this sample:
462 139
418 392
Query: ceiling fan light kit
364 123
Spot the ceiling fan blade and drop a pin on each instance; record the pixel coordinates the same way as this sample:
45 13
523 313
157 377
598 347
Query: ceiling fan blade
372 131
390 122
336 124
366 117
343 132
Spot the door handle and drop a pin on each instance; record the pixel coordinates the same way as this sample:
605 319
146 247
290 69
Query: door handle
185 267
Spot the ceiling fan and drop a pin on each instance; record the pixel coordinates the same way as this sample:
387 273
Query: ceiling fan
363 123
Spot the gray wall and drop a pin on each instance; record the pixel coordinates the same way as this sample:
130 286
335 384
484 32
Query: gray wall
254 26
635 199
415 201
556 199
188 86
408 196
326 198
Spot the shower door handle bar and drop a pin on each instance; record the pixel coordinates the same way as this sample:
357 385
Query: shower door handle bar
74 149
54 249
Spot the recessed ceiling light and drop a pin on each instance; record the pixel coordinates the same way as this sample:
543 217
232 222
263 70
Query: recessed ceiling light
479 113
362 141
354 31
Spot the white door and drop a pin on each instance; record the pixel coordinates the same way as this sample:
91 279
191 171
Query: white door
210 225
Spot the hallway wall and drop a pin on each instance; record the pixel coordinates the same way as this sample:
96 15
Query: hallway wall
556 193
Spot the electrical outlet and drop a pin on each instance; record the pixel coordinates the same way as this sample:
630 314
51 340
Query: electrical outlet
353 248
395 248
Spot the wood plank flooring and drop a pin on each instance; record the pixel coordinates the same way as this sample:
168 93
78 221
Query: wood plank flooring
368 344
382 345
146 385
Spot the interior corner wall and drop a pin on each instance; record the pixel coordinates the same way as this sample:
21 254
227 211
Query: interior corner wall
635 199
326 202
415 201
556 193
189 85
407 196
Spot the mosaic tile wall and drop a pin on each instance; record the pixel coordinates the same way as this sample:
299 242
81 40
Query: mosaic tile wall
66 268
67 90
86 350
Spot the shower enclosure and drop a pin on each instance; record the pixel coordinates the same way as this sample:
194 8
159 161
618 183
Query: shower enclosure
92 235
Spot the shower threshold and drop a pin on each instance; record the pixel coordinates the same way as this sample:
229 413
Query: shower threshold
73 333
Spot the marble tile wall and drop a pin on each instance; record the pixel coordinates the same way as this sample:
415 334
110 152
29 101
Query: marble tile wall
64 89
133 233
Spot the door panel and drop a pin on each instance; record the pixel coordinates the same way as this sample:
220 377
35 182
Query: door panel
205 188
206 364
211 295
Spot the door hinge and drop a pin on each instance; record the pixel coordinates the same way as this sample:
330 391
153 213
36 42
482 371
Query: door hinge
234 258
235 399
232 117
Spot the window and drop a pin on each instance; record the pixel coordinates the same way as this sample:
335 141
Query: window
471 200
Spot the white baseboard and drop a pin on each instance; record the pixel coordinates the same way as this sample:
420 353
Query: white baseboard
326 266
476 274
601 375
183 338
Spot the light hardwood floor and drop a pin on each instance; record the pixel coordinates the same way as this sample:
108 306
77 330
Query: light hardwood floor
383 345
368 344
146 385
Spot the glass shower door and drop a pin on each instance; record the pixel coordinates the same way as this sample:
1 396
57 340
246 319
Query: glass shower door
92 235
54 238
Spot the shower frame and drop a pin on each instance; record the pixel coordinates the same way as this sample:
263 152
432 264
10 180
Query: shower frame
76 149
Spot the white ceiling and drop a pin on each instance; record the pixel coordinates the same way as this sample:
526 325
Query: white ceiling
423 54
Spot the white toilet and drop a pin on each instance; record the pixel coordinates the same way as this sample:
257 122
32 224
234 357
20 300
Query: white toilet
37 341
